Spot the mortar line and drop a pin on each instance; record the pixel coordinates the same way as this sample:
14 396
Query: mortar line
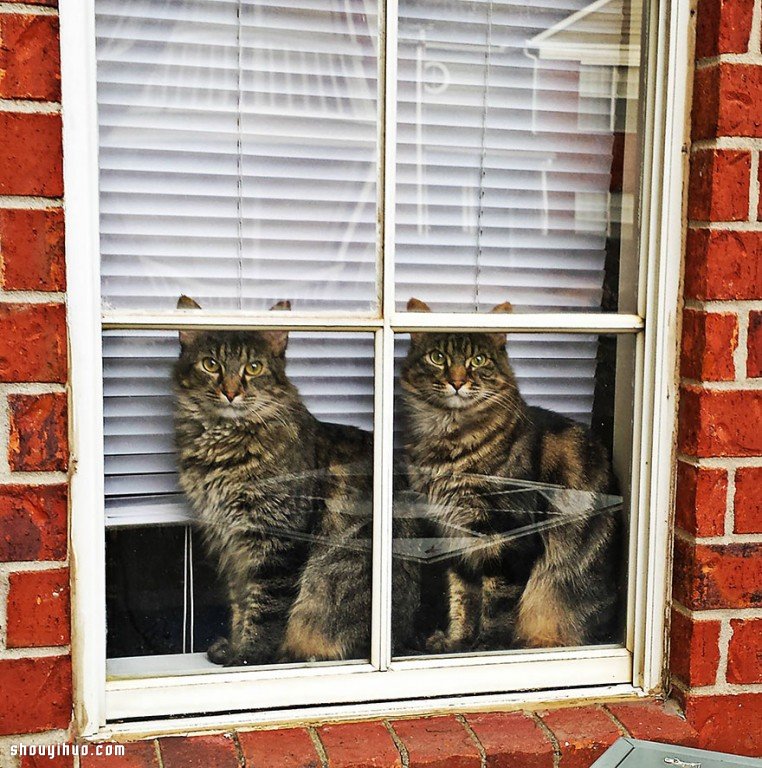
740 354
238 749
32 202
401 748
318 744
723 643
756 22
552 736
5 586
159 756
729 521
23 9
472 733
30 107
617 722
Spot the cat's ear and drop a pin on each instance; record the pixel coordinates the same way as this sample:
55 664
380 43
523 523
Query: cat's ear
187 337
277 340
416 305
506 307
498 339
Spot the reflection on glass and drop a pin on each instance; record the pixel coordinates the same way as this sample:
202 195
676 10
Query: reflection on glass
278 566
238 147
519 520
517 153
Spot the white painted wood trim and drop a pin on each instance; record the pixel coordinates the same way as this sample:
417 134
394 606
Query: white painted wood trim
279 688
87 551
460 685
671 68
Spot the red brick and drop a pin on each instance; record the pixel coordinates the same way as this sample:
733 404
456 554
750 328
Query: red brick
654 721
748 500
719 576
49 3
723 26
718 187
726 101
359 745
218 751
701 499
694 650
43 761
38 432
437 742
723 265
727 723
583 734
30 65
706 106
745 652
32 342
512 740
137 754
31 161
41 699
32 250
292 746
720 422
38 609
754 346
33 522
709 340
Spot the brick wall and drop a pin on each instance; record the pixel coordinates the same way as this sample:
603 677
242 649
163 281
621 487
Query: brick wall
716 633
35 668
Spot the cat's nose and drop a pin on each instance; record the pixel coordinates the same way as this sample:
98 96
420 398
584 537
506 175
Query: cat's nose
457 383
231 394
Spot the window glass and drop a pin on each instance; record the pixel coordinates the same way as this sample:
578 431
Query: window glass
238 153
517 153
239 495
516 487
239 165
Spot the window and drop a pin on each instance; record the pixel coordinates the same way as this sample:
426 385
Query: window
349 157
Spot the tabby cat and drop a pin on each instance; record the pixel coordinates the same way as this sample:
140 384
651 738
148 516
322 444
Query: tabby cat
469 433
283 502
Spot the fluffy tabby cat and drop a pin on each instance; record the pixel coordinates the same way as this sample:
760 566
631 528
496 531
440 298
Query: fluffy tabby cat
468 430
282 499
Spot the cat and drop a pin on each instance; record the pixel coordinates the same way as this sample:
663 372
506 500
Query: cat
283 502
468 433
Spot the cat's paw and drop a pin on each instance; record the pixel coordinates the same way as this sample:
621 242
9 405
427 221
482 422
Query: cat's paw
440 642
221 652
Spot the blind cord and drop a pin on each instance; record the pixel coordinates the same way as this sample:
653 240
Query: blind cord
479 222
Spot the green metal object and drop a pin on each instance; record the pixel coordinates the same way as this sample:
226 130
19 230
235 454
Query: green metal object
633 753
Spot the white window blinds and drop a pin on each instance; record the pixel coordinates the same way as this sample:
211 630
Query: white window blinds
504 161
238 154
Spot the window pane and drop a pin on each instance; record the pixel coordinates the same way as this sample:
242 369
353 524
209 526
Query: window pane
238 152
517 153
238 490
517 486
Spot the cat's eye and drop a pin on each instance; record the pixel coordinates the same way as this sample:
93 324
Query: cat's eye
436 357
477 361
254 368
210 365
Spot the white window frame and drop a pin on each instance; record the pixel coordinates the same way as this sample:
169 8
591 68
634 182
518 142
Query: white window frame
383 686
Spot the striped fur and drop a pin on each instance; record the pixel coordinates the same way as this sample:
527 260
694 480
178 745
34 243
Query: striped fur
467 430
283 502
